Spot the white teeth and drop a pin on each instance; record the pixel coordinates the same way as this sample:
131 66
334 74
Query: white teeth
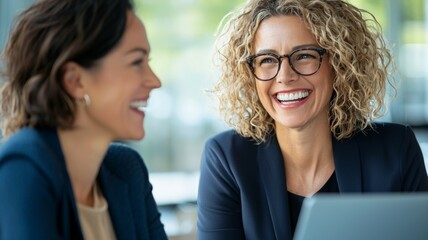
140 105
292 96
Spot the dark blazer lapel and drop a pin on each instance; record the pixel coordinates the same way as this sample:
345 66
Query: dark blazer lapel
71 225
117 196
348 165
272 174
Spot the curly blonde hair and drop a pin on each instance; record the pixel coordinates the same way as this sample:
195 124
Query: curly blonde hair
358 55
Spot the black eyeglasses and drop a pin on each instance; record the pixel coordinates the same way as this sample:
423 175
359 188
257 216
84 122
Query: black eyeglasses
304 61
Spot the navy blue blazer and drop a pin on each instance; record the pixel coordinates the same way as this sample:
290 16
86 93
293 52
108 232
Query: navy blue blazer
37 201
243 192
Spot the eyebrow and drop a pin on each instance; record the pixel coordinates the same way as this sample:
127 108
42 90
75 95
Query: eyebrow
138 49
263 51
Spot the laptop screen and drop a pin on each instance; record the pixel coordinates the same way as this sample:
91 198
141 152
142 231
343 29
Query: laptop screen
391 216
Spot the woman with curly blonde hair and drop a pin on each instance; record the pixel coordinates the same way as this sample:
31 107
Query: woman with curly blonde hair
301 83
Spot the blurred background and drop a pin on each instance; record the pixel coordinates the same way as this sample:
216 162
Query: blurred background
181 116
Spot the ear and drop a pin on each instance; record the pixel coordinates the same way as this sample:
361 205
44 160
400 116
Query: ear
72 79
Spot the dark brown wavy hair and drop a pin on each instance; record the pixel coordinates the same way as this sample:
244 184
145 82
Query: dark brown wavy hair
44 37
358 54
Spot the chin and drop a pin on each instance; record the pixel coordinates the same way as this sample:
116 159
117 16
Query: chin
138 136
136 132
291 124
134 135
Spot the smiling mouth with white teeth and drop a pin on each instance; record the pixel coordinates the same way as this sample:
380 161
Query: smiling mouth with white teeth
138 105
292 97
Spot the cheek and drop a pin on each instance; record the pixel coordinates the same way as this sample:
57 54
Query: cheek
330 86
327 83
261 95
264 97
262 90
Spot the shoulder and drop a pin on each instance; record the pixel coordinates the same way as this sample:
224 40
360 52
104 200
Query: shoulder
233 152
26 140
40 147
36 154
230 139
387 138
386 132
388 128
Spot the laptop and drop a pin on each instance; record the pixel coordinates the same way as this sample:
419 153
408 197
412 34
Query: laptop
389 216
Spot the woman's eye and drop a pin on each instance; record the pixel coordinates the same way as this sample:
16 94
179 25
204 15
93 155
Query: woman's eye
305 56
267 60
138 62
302 56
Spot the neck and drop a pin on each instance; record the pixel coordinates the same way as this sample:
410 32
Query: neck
83 152
304 150
308 157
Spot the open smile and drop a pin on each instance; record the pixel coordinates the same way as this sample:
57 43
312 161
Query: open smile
139 105
292 97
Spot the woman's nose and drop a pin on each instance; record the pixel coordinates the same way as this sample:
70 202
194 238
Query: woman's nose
286 73
152 80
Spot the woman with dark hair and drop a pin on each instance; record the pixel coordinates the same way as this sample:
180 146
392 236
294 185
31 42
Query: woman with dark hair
77 78
301 83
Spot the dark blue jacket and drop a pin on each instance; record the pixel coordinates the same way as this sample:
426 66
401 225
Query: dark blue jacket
243 192
37 201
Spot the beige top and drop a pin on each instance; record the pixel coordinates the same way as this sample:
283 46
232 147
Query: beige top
95 221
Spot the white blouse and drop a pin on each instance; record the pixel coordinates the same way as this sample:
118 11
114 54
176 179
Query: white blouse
95 221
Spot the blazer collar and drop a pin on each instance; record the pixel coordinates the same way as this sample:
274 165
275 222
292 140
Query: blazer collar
71 228
271 167
347 163
116 193
272 174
